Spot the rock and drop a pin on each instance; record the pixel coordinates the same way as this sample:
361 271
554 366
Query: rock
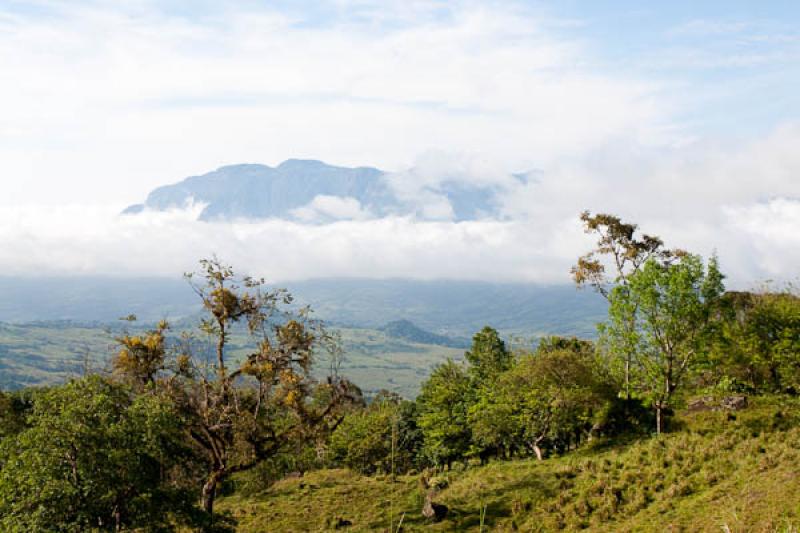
734 403
706 403
431 510
337 522
342 523
434 511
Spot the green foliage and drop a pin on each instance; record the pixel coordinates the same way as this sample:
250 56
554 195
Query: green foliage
573 344
488 355
493 424
141 357
757 346
14 408
443 406
380 438
553 396
93 458
663 315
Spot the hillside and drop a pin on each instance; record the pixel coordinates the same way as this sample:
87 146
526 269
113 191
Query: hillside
405 329
718 471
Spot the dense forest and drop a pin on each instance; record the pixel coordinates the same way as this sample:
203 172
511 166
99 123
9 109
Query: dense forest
178 435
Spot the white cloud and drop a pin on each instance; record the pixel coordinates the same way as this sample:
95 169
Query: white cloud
740 201
772 230
324 208
103 101
79 240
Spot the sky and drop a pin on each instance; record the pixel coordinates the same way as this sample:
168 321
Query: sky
677 116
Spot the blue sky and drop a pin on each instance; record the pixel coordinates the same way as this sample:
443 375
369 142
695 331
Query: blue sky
682 116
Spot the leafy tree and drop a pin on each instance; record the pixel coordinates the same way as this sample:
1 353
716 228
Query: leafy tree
758 344
443 406
488 358
552 397
409 434
488 355
493 426
670 306
627 252
94 457
380 438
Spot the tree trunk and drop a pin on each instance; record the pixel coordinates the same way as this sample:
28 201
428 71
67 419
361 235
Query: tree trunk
210 493
658 418
627 377
537 451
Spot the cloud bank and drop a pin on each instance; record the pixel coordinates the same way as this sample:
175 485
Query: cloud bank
741 201
100 102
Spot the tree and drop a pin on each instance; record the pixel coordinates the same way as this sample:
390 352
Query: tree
239 413
617 241
488 355
95 457
553 396
488 358
14 408
379 438
493 426
555 343
670 306
443 405
758 341
141 357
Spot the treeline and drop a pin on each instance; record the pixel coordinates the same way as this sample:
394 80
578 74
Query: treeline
174 422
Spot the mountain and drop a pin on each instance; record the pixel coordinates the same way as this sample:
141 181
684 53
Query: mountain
448 308
406 330
307 190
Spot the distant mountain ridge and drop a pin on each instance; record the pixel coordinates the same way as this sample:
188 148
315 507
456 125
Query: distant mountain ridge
455 309
289 191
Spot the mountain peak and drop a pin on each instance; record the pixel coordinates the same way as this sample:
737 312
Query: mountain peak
255 191
301 164
243 167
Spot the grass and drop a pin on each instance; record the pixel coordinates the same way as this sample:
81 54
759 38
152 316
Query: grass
716 472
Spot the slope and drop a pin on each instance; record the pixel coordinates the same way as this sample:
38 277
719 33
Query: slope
719 472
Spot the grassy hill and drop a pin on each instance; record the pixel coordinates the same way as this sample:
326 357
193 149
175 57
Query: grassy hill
717 471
